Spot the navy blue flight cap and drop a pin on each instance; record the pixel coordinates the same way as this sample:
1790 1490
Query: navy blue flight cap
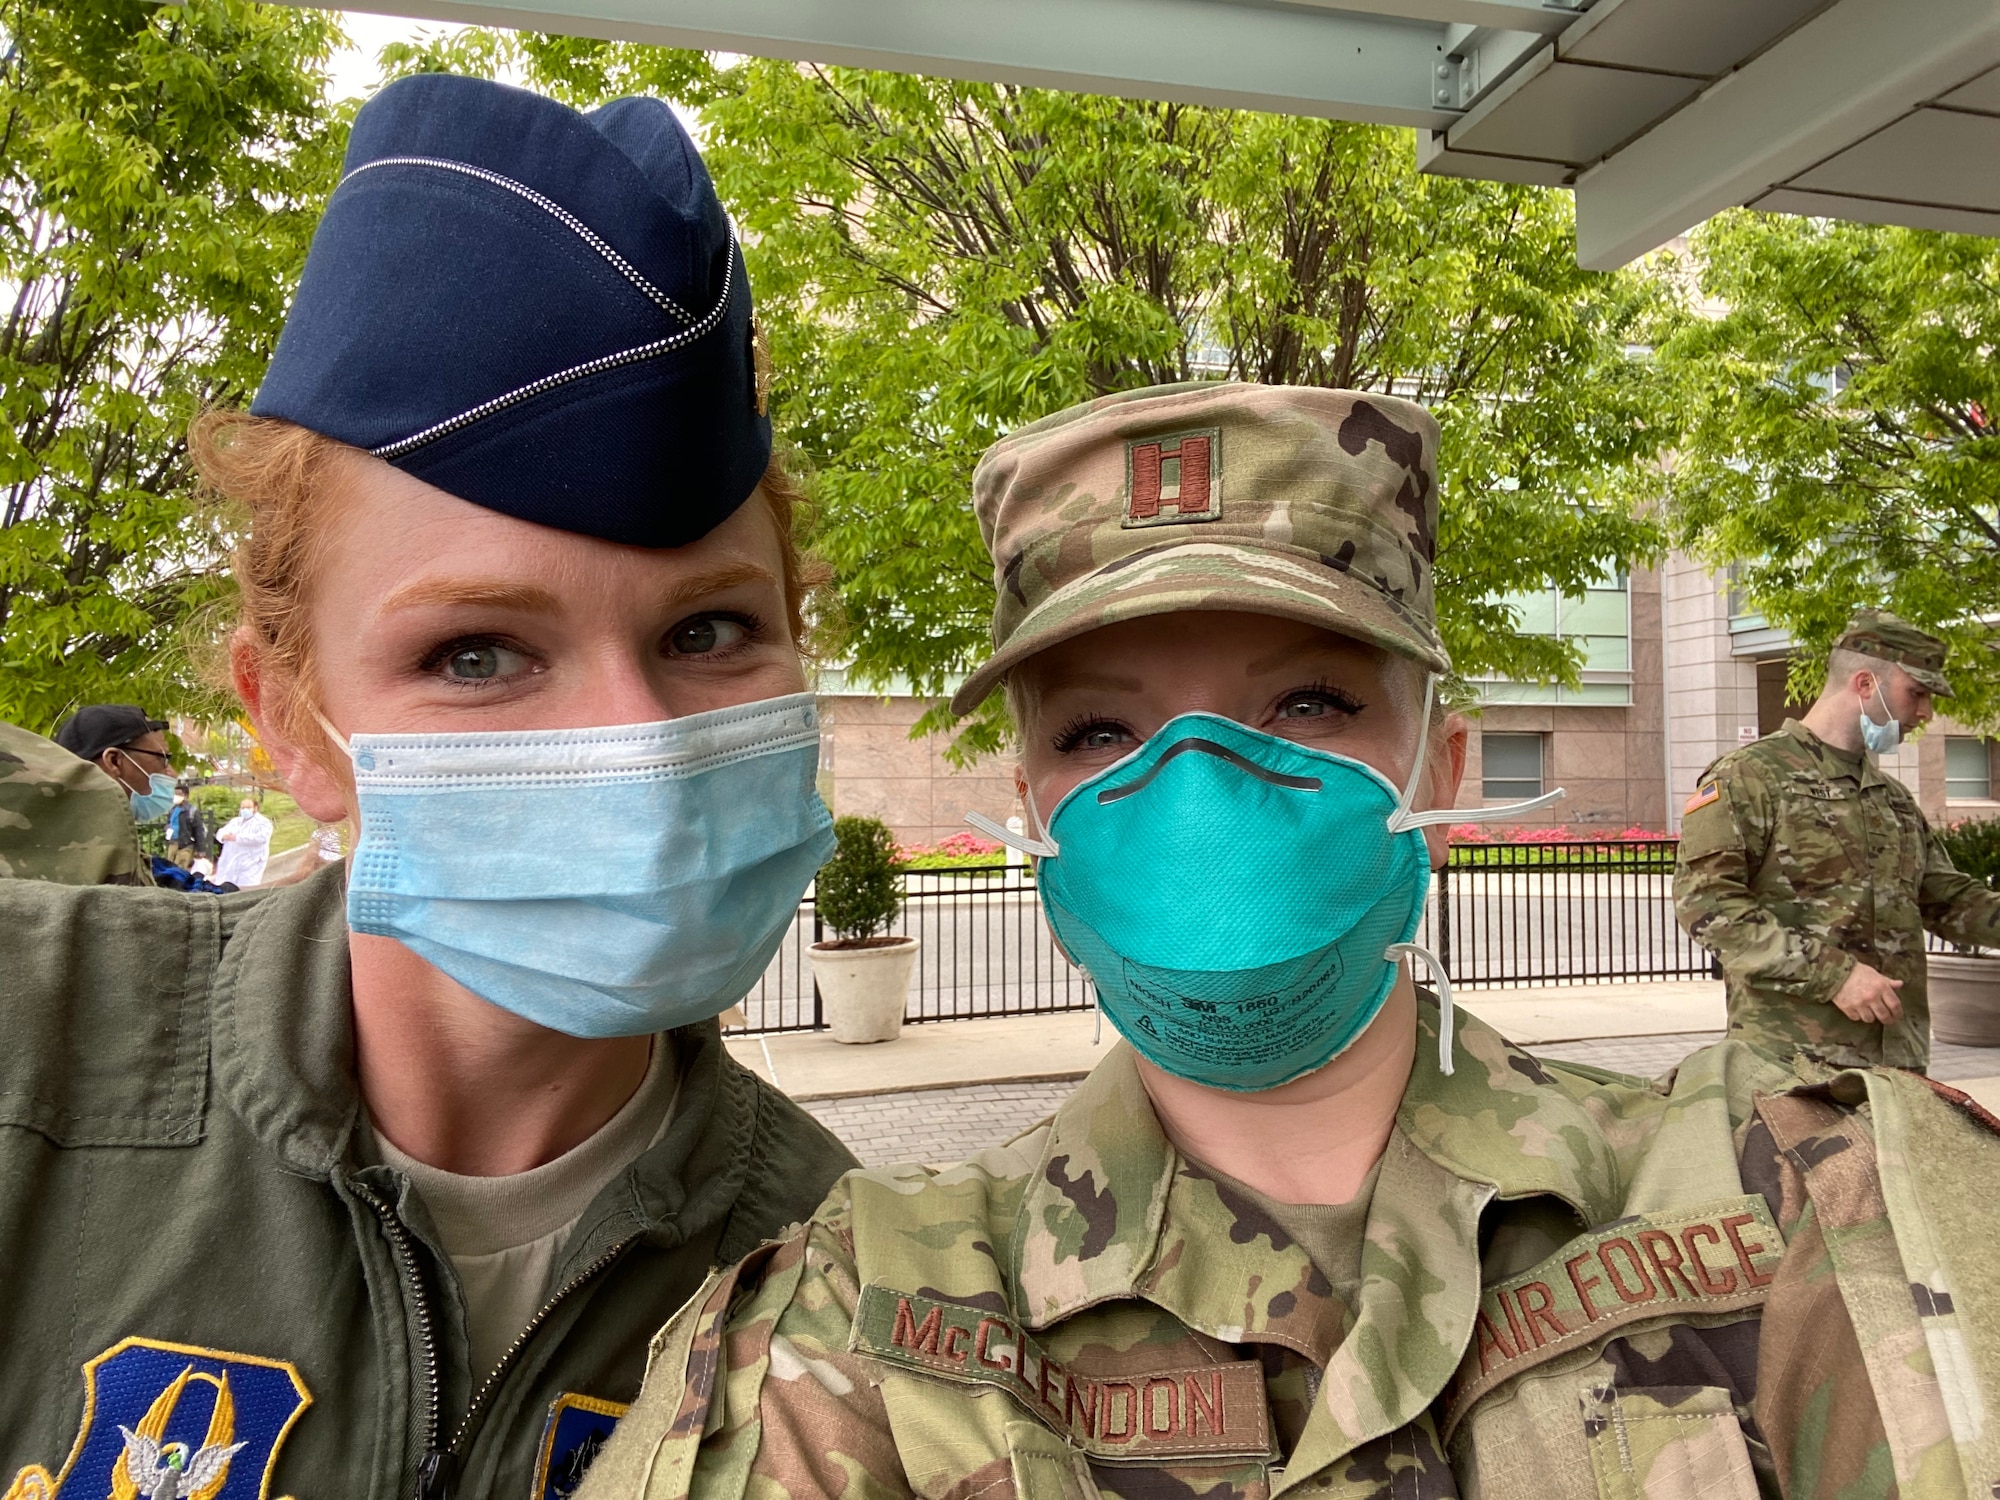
541 311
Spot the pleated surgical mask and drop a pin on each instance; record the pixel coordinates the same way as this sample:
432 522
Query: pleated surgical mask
600 882
1240 901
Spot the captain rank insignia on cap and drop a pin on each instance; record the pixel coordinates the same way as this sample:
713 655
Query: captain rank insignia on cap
1173 479
175 1421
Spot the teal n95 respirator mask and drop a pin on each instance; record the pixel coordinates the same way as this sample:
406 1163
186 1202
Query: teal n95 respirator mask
1240 901
600 882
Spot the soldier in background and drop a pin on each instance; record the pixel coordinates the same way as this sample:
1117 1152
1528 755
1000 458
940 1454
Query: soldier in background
60 819
1812 875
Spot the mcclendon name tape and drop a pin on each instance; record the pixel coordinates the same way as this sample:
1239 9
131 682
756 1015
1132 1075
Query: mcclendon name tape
1211 1411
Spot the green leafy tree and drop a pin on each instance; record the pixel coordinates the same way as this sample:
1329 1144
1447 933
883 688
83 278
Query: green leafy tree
1840 446
161 168
938 262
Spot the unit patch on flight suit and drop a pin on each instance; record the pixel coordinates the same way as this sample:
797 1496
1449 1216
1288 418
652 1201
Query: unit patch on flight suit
174 1422
575 1433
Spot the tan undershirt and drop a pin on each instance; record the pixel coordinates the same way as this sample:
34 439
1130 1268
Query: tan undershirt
505 1235
1331 1234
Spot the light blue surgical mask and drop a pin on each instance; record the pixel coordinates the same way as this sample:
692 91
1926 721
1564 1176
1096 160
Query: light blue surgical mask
599 882
1240 901
156 801
1881 738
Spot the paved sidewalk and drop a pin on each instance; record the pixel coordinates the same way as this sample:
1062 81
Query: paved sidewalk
940 1125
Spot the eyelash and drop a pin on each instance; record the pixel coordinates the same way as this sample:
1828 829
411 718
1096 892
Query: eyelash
1072 734
433 660
753 628
1338 698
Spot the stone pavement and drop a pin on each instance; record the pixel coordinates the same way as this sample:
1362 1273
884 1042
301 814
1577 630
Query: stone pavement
941 1125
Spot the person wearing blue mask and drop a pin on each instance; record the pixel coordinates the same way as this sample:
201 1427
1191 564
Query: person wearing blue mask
1307 1229
379 1183
122 742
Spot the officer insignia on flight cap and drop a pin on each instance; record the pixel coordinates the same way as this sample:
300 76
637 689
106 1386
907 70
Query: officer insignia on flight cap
174 1420
1174 478
577 1429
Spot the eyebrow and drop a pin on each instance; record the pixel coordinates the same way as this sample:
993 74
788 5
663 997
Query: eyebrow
1284 656
1080 678
430 593
533 598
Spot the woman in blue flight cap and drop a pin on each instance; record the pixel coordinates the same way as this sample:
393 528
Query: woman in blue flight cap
379 1184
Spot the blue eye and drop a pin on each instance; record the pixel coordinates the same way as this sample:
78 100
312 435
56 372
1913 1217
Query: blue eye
475 662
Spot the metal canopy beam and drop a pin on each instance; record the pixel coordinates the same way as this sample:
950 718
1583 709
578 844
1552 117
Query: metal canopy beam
1845 74
1295 58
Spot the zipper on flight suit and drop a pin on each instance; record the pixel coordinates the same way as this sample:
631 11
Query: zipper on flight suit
492 1381
433 1480
438 1466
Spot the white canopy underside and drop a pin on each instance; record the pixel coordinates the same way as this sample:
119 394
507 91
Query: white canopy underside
1659 113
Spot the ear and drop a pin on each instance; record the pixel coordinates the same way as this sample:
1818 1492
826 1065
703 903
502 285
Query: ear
1447 771
309 770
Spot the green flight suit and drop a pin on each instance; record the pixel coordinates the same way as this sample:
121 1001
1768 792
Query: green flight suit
1575 1285
1795 861
179 1193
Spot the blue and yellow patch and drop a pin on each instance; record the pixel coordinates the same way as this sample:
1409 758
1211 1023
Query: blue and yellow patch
210 1419
576 1432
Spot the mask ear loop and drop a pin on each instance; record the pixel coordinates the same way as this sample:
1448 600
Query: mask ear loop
1443 981
335 735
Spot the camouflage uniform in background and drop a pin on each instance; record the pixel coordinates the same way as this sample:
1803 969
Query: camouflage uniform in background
1761 1309
1569 1283
1797 859
62 818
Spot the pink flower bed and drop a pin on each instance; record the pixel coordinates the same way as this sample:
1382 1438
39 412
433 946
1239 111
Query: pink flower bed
1562 833
966 845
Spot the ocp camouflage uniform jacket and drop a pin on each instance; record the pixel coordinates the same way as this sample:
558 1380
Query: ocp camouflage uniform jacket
1793 865
1570 1286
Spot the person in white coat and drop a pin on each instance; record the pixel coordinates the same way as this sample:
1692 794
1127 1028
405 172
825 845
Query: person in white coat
246 844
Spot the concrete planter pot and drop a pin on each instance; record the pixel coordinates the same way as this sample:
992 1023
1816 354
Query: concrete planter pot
1965 998
864 990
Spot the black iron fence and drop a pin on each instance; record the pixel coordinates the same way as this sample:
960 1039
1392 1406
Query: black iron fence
1553 913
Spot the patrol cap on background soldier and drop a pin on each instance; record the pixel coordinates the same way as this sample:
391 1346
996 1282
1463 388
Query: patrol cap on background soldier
1812 874
61 819
1295 1234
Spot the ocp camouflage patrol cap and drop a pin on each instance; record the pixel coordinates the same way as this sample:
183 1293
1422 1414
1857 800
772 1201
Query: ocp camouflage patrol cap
1309 504
1877 633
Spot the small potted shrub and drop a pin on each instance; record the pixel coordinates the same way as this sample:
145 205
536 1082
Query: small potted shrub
1965 983
863 973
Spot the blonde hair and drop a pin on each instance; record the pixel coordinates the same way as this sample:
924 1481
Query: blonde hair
277 476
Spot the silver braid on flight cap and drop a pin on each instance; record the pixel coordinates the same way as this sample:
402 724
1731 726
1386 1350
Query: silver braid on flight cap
575 372
548 206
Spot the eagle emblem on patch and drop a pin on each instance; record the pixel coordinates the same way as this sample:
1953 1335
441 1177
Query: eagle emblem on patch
577 1429
174 1422
1174 478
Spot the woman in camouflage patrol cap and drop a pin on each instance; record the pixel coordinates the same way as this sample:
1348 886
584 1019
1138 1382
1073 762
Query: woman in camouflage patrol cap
1298 1234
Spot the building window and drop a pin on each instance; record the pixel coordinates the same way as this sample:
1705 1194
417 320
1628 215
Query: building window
1512 766
1599 620
1968 770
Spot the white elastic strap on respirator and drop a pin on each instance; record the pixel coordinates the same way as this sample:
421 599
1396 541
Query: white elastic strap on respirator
1443 981
1040 848
1404 819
